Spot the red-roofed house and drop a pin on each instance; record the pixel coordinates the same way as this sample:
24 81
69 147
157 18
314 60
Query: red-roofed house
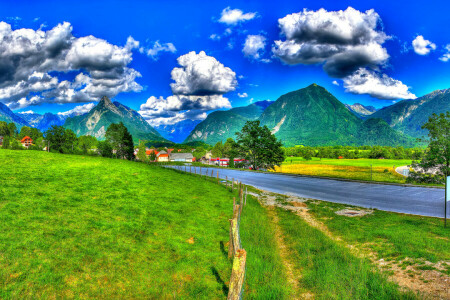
26 142
163 157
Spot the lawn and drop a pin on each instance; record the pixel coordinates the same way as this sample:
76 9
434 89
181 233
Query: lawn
360 169
91 227
391 236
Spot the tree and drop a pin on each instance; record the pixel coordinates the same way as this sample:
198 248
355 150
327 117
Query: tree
70 139
217 150
231 150
437 154
259 146
121 140
55 138
33 133
141 155
152 157
87 143
105 149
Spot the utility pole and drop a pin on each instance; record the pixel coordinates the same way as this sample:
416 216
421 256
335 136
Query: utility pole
371 176
447 179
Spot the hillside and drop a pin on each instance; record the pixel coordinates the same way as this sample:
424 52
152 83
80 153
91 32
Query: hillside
408 116
313 116
96 122
220 125
6 115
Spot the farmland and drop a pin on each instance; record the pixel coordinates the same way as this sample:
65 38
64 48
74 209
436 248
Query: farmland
75 226
359 169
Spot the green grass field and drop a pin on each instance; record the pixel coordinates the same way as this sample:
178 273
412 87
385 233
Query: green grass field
90 227
359 169
391 236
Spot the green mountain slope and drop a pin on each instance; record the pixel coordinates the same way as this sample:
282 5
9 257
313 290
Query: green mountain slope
220 125
105 113
312 116
408 116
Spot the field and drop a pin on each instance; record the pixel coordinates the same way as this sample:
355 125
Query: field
360 169
89 227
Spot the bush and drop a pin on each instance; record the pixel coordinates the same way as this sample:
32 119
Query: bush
416 177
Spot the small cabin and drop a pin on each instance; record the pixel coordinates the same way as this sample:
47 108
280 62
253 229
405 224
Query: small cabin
26 142
1 141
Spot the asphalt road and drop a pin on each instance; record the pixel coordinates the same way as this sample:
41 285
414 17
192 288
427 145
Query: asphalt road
402 199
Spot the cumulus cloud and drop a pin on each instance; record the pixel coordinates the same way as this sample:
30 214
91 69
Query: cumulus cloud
78 110
335 82
446 56
201 75
376 85
235 16
215 37
31 61
254 46
343 40
154 52
199 85
422 46
243 95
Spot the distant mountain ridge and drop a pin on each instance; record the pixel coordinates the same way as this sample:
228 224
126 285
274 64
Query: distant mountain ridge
6 115
45 121
360 110
96 122
408 116
177 132
220 125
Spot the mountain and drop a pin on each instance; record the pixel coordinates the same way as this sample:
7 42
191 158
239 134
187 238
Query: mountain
177 132
313 116
408 116
104 114
360 110
45 121
8 116
220 125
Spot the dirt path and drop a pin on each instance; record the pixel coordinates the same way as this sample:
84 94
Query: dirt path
430 283
292 273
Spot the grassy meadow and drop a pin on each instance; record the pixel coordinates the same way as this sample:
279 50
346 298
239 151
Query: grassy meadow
359 169
91 227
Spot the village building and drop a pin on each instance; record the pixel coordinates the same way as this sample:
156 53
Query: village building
181 157
26 142
224 162
162 156
1 141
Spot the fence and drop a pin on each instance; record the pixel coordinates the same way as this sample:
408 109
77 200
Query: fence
235 251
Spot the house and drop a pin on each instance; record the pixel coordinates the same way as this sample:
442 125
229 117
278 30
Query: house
26 142
208 155
162 156
183 157
148 152
1 141
224 162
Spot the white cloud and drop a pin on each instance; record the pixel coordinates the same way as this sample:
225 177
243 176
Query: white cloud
158 47
335 82
422 46
446 56
243 95
199 86
215 37
26 112
343 40
233 17
28 57
201 74
254 46
376 85
78 110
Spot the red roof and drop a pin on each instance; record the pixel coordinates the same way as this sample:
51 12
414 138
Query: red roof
148 152
25 139
163 155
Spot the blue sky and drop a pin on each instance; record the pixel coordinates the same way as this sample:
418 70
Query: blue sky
190 25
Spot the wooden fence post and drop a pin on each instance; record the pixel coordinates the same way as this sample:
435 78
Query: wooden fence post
230 243
245 202
237 275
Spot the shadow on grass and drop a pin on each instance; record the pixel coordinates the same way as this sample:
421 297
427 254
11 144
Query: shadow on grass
222 249
219 280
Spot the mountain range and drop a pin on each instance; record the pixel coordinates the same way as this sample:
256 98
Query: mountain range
6 115
408 116
96 122
220 125
308 116
360 110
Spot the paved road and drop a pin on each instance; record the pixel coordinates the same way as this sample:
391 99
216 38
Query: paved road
411 200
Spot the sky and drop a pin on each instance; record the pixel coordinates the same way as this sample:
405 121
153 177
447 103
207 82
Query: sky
178 60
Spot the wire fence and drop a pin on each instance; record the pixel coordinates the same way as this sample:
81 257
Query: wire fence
235 251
